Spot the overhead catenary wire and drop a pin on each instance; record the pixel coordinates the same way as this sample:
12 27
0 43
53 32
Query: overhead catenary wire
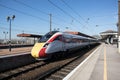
35 9
73 10
86 22
28 14
76 14
64 11
83 26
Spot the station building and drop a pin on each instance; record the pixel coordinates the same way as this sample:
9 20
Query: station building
109 36
29 36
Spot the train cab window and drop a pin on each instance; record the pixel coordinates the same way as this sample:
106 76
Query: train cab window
47 36
58 38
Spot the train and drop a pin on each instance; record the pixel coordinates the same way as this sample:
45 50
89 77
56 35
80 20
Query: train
54 43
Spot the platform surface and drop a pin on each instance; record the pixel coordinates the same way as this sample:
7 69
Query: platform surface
102 64
15 51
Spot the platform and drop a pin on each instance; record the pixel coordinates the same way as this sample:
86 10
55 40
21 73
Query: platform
102 64
15 51
16 58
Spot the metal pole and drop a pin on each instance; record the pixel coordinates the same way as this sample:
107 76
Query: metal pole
9 19
5 35
50 22
119 26
10 37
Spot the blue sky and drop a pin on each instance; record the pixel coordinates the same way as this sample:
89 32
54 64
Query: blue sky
32 16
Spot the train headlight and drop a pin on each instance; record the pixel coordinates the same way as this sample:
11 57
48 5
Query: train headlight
46 45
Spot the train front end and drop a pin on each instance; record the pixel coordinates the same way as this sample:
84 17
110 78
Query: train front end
38 51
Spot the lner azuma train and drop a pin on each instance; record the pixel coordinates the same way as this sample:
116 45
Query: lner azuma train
54 43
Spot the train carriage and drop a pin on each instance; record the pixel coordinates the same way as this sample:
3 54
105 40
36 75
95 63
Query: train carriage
54 42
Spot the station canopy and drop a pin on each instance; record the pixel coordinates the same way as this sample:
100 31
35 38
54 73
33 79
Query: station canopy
79 33
29 35
108 33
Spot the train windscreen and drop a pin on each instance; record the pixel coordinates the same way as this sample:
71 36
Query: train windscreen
47 36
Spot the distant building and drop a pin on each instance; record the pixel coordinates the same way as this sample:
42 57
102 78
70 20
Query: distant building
29 36
1 41
109 36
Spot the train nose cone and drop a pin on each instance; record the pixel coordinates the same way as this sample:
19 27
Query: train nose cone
36 49
42 52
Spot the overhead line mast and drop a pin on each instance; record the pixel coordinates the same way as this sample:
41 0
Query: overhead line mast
50 22
119 26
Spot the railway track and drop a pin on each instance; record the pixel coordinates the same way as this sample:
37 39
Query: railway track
15 72
62 72
54 69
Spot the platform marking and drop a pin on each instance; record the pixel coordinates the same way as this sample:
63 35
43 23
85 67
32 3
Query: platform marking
105 65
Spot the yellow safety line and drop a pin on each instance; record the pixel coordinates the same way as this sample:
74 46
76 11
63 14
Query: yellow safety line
105 65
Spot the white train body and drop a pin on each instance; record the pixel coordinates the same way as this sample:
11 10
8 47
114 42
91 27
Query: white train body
54 42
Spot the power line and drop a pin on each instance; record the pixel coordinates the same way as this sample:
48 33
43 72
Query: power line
76 13
19 2
68 14
73 10
60 9
27 14
36 9
64 12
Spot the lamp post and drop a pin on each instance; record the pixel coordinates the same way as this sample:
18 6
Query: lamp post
9 19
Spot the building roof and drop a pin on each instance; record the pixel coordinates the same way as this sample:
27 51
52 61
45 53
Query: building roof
79 33
109 31
29 35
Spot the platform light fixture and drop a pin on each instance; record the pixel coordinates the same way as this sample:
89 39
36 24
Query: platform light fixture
10 19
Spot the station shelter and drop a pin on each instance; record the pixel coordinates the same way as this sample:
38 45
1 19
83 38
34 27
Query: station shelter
109 36
29 35
80 34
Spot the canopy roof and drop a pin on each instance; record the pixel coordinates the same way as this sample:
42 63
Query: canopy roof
29 35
